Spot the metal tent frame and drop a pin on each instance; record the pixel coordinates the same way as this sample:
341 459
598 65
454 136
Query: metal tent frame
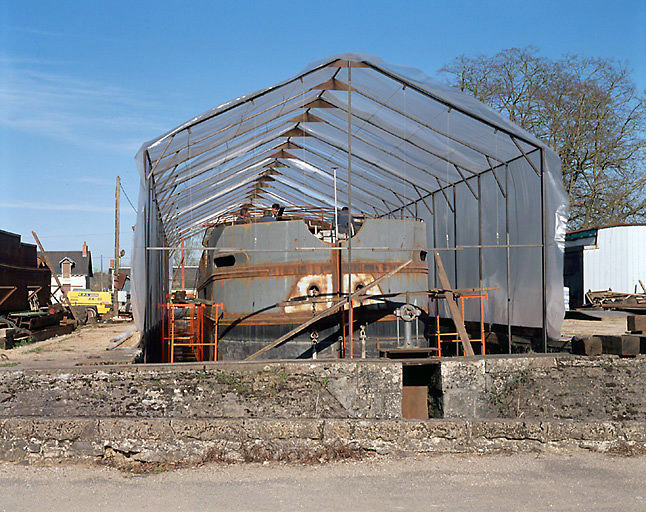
399 144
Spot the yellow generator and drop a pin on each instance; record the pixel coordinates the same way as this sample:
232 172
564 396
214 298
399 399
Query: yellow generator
94 303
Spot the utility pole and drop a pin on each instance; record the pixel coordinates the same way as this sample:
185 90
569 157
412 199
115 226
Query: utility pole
115 270
101 274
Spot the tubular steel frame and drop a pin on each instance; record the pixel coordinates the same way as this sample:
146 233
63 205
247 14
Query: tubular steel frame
165 226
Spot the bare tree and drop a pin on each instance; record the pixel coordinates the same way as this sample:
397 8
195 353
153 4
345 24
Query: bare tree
191 256
587 109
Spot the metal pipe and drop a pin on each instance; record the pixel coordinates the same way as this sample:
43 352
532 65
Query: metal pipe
350 222
408 334
455 239
507 256
332 248
544 250
336 209
397 316
479 233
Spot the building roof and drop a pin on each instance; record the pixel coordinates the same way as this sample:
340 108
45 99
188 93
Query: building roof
575 232
81 265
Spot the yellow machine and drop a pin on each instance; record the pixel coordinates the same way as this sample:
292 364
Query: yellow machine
100 302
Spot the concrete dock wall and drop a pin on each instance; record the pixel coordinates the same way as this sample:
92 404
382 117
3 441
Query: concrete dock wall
250 390
308 411
544 387
297 440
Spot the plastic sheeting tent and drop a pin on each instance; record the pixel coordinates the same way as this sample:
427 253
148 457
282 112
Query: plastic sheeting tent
489 192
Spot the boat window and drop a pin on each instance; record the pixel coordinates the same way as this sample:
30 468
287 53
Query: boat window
225 261
422 255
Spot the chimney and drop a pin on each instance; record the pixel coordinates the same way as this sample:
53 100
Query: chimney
84 249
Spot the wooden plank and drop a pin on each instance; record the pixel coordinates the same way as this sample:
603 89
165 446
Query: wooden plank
327 312
453 307
54 274
9 293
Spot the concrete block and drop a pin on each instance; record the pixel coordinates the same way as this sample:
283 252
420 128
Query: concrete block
587 346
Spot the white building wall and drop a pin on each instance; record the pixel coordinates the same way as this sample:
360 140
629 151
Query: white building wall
76 282
618 261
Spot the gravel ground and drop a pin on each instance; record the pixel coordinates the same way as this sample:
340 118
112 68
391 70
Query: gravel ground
577 481
85 346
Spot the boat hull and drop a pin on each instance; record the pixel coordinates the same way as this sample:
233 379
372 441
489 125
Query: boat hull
266 275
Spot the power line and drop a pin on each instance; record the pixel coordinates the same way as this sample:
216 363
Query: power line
129 201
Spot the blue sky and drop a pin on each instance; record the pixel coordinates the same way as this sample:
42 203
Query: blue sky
84 84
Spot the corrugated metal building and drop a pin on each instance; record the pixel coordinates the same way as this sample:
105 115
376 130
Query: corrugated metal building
604 258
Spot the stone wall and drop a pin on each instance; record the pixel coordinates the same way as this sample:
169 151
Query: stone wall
244 440
320 410
545 387
272 390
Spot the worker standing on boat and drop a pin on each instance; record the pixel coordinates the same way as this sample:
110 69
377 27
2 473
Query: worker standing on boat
345 222
244 217
277 211
267 216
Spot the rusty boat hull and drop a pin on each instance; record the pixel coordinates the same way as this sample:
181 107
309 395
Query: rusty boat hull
273 276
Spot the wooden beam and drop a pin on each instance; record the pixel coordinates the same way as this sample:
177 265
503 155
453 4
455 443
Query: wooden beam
340 63
319 103
281 154
326 312
331 85
453 306
55 275
288 145
9 293
307 117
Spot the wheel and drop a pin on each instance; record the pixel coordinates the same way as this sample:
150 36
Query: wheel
91 315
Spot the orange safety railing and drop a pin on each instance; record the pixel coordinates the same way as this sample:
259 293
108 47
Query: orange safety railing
453 337
183 333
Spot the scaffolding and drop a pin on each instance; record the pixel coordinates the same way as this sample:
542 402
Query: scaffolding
452 337
183 331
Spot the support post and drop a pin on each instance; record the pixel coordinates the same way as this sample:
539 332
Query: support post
455 238
115 270
350 223
183 267
508 258
453 307
543 249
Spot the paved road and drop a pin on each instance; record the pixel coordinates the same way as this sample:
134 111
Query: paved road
583 481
